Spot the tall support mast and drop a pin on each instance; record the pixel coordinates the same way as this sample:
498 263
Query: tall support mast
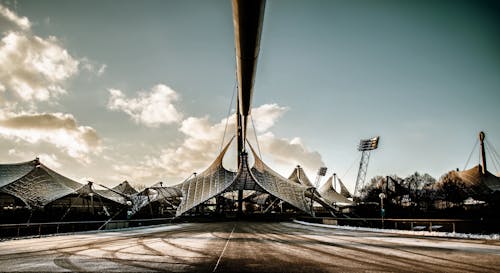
363 168
321 173
248 17
365 146
239 134
240 150
482 135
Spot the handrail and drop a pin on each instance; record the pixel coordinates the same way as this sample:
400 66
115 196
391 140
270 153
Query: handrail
429 223
396 219
84 222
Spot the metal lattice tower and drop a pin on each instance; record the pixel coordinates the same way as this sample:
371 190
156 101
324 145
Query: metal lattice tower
321 173
365 146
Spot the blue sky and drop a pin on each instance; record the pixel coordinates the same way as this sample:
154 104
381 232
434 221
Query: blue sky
423 75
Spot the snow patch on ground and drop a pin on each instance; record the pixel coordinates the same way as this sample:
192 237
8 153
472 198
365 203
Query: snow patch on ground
103 232
409 232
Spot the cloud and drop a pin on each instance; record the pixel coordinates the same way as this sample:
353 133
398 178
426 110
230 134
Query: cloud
60 130
34 68
101 70
9 19
203 140
50 160
290 152
199 148
92 66
266 116
152 108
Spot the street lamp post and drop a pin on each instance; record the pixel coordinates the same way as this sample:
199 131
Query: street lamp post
91 203
382 211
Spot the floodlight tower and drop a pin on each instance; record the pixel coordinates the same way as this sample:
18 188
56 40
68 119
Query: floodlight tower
321 173
365 147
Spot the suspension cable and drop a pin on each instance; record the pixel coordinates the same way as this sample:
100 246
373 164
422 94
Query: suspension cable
227 117
102 203
188 177
470 155
495 161
350 167
495 153
256 139
67 211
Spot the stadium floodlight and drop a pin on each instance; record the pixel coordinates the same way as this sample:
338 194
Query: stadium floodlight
365 146
368 144
322 171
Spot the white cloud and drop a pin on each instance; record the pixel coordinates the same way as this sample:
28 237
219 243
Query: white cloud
11 20
34 68
50 160
266 116
202 142
101 70
290 152
91 66
152 108
60 130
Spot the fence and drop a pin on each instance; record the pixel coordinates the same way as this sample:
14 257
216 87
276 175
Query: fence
38 229
446 225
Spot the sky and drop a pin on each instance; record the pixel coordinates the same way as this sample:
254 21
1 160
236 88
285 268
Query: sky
109 91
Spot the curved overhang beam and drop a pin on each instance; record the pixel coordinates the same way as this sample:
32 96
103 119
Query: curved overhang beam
248 17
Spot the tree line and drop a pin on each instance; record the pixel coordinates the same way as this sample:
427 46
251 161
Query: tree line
421 195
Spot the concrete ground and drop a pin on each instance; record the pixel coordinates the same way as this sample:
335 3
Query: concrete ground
247 247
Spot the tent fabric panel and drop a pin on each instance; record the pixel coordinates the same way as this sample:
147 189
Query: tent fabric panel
194 195
328 193
125 188
38 188
476 182
12 172
61 179
279 186
343 190
299 176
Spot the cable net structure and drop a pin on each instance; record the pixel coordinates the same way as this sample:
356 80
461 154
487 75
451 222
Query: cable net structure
37 186
299 176
331 196
216 180
34 183
49 195
475 181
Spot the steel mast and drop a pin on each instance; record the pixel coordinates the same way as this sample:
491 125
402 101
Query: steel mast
365 147
248 17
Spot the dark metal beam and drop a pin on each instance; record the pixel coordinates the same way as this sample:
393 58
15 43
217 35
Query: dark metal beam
483 153
248 16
